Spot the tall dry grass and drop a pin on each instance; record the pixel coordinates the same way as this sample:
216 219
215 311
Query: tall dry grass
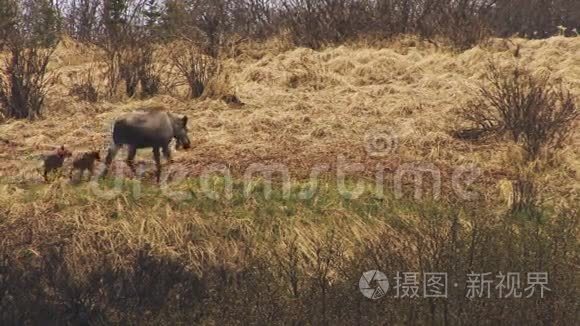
276 261
151 260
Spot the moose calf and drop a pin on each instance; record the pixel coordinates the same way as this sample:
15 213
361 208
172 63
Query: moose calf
85 162
54 161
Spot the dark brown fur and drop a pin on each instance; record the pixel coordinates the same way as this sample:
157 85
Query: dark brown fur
85 162
54 161
147 129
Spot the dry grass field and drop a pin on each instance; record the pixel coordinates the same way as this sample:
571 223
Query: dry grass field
144 257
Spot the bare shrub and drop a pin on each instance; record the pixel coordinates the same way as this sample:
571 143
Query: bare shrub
212 21
310 23
531 108
329 256
524 196
29 31
136 68
254 18
464 31
315 24
85 89
8 20
196 69
127 41
24 81
112 73
534 18
129 70
149 75
81 19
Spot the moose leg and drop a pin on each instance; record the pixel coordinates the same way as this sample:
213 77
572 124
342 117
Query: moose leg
131 159
166 152
157 157
113 150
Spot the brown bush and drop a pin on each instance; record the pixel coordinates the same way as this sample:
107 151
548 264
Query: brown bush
8 20
149 75
211 23
112 59
196 69
135 67
138 68
532 108
85 89
24 81
82 20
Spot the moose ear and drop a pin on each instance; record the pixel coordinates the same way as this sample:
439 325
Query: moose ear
184 119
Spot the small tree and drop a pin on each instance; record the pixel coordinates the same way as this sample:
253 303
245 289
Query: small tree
212 21
196 69
138 68
8 20
152 14
85 89
23 74
114 20
42 22
130 29
82 19
174 20
23 81
149 74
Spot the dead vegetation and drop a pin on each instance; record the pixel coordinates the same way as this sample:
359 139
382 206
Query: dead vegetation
531 108
208 261
412 88
69 256
24 81
196 68
535 111
85 89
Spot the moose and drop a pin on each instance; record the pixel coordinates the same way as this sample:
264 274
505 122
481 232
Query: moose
54 161
86 162
148 128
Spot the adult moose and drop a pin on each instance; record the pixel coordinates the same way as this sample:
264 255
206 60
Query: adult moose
148 128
